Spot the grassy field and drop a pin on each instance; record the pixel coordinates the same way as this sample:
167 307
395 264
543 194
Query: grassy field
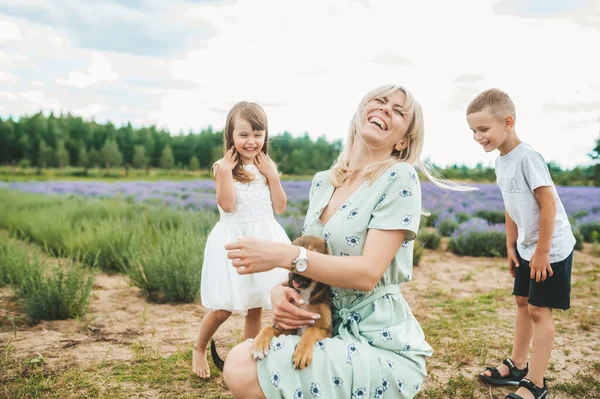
128 274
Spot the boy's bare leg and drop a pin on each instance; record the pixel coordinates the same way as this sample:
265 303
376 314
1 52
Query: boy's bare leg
543 340
523 333
253 323
208 326
522 338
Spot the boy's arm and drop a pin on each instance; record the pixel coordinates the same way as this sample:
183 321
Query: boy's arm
511 243
540 261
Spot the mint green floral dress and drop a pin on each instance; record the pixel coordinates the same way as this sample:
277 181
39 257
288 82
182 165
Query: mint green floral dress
378 349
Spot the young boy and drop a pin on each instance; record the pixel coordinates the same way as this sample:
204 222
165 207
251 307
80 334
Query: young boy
539 241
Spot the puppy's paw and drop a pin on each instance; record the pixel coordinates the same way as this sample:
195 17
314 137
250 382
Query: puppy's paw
260 346
303 354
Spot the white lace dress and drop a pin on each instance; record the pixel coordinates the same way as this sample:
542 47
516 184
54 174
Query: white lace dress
222 287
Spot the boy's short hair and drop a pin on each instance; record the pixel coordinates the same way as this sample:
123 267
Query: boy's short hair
499 102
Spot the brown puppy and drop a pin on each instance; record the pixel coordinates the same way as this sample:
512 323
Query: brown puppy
317 298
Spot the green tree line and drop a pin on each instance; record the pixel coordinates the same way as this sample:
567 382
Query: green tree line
66 140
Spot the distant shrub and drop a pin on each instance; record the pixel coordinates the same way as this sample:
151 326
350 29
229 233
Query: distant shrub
418 251
447 226
462 217
578 239
493 217
588 228
580 214
477 238
430 239
432 219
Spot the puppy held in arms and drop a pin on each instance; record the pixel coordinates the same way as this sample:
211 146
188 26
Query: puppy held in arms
317 299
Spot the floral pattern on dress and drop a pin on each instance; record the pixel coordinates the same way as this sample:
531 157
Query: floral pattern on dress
275 378
353 213
353 241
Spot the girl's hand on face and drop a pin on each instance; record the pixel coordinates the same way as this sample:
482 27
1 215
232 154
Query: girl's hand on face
286 313
253 255
230 159
266 166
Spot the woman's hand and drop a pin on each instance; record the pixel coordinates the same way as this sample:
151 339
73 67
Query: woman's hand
266 166
286 315
253 255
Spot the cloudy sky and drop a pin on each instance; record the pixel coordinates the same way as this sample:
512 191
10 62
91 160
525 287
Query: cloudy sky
181 64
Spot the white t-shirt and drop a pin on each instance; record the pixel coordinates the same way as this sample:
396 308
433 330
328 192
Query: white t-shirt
518 174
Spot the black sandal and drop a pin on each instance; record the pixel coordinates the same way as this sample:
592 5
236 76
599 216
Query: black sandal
538 393
514 376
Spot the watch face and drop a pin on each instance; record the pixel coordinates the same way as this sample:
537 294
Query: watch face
301 265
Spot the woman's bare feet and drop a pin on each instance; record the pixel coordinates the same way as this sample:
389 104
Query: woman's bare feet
199 363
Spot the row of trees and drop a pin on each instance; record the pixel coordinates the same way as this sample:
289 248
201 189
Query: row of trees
67 140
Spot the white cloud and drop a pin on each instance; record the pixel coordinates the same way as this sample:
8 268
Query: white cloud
9 60
7 77
99 70
6 96
90 110
9 32
56 41
38 100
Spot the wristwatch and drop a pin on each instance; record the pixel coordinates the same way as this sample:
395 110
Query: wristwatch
300 264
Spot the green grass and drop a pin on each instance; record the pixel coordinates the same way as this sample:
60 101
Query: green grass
585 385
452 326
456 387
147 375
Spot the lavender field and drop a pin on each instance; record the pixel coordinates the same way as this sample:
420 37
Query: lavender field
581 203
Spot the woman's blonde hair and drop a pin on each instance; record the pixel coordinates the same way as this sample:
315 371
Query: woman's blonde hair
411 154
257 118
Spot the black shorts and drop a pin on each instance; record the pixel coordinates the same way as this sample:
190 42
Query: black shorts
555 292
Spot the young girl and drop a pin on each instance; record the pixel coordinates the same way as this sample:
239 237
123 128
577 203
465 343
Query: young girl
248 191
